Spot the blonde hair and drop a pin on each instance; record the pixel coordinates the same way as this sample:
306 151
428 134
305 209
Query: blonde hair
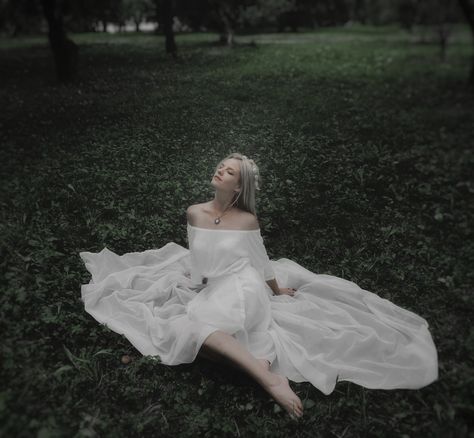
249 181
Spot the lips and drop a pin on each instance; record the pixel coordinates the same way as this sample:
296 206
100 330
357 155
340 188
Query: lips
215 176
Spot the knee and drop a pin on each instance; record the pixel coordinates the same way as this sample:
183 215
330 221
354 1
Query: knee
216 339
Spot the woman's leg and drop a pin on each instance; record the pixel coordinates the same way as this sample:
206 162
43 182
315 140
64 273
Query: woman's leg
232 351
208 354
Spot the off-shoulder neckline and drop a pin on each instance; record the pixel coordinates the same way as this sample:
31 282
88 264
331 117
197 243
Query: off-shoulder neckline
213 229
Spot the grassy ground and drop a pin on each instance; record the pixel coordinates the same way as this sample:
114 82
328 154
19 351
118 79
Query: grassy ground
364 140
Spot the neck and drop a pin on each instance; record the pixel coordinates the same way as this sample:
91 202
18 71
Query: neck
222 200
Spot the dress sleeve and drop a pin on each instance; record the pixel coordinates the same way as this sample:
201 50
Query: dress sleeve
189 235
194 273
258 255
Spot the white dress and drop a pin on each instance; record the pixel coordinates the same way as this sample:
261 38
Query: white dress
331 330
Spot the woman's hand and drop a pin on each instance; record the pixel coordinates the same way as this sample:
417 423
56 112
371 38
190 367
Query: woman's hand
287 291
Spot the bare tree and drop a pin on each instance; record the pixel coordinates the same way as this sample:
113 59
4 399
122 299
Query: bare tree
164 12
468 11
65 51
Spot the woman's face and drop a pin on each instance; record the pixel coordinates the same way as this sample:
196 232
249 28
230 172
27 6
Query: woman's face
227 175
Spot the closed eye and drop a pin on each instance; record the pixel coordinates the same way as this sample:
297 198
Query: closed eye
229 172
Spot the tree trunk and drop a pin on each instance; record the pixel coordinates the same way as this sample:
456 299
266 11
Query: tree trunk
468 11
443 34
361 11
229 28
166 14
65 51
230 37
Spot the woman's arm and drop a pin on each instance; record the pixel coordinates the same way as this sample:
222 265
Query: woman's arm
274 286
260 259
280 290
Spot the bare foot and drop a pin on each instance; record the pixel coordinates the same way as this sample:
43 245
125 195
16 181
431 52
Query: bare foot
265 363
279 388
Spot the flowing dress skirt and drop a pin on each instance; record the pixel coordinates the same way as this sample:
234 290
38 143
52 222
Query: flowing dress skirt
331 330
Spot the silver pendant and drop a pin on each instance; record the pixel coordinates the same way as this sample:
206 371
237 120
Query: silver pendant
216 220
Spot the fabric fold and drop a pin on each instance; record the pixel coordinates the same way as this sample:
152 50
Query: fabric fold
331 330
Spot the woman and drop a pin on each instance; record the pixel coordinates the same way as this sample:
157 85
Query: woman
223 299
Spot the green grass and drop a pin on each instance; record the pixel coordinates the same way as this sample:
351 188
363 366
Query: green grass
364 141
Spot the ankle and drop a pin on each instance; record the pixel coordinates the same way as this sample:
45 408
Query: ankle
270 379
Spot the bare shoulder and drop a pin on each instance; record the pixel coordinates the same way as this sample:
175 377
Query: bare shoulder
192 213
199 214
249 221
195 211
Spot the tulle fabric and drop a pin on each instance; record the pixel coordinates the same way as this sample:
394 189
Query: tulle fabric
331 330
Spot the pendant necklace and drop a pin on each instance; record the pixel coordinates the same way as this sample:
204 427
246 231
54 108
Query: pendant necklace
217 220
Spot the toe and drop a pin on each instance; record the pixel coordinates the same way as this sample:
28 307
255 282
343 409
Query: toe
297 410
299 407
